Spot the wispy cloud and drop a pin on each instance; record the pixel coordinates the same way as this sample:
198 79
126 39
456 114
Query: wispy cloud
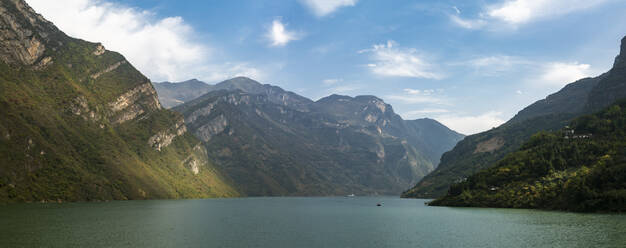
343 89
331 81
493 65
560 74
421 112
162 48
467 23
389 60
546 73
325 7
413 96
518 12
503 62
278 34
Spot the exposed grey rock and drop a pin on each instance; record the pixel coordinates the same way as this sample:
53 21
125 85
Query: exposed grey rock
99 50
139 100
24 41
107 70
197 160
164 138
212 128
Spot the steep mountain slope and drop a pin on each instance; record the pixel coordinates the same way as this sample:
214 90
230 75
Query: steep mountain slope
173 94
480 151
613 87
582 168
274 142
78 122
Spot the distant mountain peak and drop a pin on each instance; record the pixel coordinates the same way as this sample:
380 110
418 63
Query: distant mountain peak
194 80
241 81
361 98
368 98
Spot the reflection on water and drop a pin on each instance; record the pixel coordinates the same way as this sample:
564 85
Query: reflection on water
299 222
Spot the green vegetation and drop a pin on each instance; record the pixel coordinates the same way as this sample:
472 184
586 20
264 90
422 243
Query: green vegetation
584 171
58 140
465 160
582 97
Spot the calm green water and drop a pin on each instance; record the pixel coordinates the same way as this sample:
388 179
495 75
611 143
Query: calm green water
299 222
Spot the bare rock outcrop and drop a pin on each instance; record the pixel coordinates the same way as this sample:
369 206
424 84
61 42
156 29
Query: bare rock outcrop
164 138
23 33
137 101
108 69
212 128
490 145
99 50
197 160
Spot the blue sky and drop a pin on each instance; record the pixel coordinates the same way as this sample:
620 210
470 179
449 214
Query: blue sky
469 64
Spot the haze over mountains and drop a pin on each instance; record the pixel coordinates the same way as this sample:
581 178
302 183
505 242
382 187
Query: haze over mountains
174 94
274 142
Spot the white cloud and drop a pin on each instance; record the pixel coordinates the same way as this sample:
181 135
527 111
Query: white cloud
413 96
502 61
343 89
472 124
560 74
517 12
554 73
468 23
522 11
163 49
457 10
331 81
324 7
388 60
279 35
412 91
421 112
495 64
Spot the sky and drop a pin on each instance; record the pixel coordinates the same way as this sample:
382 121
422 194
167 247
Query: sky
471 65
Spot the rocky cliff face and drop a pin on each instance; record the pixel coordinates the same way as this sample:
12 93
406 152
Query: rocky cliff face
133 103
25 35
81 123
273 142
164 138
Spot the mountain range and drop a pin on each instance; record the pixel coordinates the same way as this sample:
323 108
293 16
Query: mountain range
274 142
80 123
483 150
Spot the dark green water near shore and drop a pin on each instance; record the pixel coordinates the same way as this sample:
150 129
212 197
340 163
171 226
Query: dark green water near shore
299 222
